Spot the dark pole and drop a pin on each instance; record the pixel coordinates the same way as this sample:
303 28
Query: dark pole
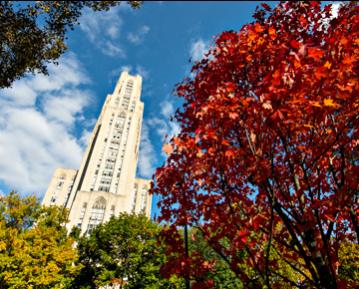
188 286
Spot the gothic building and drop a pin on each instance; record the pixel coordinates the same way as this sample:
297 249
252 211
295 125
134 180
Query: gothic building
106 183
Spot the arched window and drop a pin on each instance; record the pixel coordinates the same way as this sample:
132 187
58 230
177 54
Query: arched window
97 213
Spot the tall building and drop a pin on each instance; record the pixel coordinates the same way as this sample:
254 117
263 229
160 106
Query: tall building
106 182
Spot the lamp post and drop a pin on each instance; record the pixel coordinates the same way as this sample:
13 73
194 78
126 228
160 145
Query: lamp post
188 285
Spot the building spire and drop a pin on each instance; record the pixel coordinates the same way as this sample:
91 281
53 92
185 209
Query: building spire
108 168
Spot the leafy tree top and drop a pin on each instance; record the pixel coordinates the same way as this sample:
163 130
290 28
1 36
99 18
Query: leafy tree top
35 250
268 148
33 34
126 252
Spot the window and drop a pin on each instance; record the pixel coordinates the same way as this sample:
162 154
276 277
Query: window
105 181
143 200
107 173
112 210
134 198
104 188
59 185
97 214
109 166
83 211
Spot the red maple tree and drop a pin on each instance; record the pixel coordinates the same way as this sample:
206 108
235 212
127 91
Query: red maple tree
267 159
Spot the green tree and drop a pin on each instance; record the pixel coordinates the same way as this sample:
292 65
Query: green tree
126 252
33 34
349 263
216 269
35 251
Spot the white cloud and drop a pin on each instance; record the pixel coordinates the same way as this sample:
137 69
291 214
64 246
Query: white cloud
103 29
127 68
113 31
147 155
37 120
21 94
335 9
142 71
111 49
167 109
138 36
138 69
175 129
85 137
198 49
159 125
162 124
325 21
66 106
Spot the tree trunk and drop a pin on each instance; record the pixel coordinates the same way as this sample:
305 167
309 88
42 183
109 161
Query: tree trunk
327 280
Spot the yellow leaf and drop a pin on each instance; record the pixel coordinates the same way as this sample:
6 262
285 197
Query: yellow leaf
329 102
199 154
327 64
315 103
271 31
167 148
258 28
251 36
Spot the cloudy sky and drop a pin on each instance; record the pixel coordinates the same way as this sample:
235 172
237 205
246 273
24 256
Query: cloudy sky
45 120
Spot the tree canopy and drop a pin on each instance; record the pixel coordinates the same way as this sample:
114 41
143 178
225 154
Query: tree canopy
266 164
35 251
33 33
125 252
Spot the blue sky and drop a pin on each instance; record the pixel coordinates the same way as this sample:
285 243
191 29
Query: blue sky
45 121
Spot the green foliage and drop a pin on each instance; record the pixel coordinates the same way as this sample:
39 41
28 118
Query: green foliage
35 251
218 270
33 33
349 263
125 251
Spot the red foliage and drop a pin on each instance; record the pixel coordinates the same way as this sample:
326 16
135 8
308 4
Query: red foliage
268 148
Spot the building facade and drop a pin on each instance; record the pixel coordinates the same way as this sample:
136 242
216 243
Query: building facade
106 183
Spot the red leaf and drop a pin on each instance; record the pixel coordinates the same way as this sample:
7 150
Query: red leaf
295 44
329 217
229 154
315 53
266 6
273 120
